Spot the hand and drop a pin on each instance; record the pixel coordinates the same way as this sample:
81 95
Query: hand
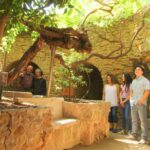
140 102
21 74
122 104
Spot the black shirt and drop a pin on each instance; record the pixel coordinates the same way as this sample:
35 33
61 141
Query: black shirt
39 86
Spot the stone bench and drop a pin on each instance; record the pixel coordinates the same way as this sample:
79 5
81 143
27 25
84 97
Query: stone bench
74 123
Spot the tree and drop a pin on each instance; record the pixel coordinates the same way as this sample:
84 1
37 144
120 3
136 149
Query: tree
45 16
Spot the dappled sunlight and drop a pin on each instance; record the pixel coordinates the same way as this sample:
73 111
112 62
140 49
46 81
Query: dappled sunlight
128 141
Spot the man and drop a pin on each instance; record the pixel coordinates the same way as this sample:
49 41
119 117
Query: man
140 89
27 79
39 83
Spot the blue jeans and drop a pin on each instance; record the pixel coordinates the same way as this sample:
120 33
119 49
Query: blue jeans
113 115
126 117
139 113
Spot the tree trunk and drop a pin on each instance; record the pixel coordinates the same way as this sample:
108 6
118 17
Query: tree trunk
3 21
25 60
53 49
3 68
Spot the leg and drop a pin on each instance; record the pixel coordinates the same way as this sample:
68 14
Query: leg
128 116
115 118
110 119
142 110
123 119
135 119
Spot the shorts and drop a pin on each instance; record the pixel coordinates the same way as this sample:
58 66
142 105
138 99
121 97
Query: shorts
113 118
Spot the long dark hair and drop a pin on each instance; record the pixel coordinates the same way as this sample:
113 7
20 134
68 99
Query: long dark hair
128 80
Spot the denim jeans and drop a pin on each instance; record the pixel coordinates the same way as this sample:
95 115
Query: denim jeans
113 115
139 113
126 117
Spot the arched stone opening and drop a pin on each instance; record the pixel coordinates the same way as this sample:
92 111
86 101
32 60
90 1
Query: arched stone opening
94 88
15 85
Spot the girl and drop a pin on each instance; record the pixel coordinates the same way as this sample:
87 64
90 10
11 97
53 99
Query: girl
111 94
125 103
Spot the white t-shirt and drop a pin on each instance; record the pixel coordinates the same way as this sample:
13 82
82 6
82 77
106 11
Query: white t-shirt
111 94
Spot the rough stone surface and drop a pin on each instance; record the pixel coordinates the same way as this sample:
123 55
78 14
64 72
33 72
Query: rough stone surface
25 129
93 118
34 128
56 105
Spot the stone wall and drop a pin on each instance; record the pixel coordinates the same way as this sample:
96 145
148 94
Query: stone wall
81 123
103 41
122 30
24 129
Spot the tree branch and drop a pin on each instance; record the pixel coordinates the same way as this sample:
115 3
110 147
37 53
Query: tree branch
3 21
65 37
110 55
25 59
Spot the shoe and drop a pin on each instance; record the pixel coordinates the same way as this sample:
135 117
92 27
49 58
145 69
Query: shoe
142 141
123 132
110 129
133 136
114 130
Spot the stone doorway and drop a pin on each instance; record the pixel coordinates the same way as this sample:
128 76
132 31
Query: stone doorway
94 88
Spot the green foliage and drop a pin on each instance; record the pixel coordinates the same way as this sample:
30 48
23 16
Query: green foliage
61 14
121 9
72 78
10 37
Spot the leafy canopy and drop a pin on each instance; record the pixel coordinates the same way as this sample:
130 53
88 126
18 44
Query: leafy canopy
62 14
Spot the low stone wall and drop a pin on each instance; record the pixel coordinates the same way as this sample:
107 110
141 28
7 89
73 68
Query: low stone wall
25 129
93 118
55 103
36 128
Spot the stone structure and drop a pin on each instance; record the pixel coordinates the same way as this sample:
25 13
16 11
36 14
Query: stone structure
24 128
73 123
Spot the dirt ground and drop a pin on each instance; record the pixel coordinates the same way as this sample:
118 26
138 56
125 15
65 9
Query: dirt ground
115 142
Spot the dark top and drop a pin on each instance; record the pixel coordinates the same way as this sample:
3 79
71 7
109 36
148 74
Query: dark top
26 81
39 86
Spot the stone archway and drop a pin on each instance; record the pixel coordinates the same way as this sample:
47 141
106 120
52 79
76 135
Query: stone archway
94 88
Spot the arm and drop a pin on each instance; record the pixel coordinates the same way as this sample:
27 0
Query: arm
118 93
144 97
103 97
44 87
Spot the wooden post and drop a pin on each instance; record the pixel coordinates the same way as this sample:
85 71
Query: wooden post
3 68
52 49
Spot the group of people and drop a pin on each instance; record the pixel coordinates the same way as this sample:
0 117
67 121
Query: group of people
132 97
33 81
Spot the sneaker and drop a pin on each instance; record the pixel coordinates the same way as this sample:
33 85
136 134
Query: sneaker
142 141
123 132
133 136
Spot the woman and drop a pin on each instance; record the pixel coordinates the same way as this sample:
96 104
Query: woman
125 103
39 83
111 94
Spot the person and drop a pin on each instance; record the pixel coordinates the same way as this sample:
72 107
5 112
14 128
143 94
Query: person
26 79
125 103
111 94
140 88
39 83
